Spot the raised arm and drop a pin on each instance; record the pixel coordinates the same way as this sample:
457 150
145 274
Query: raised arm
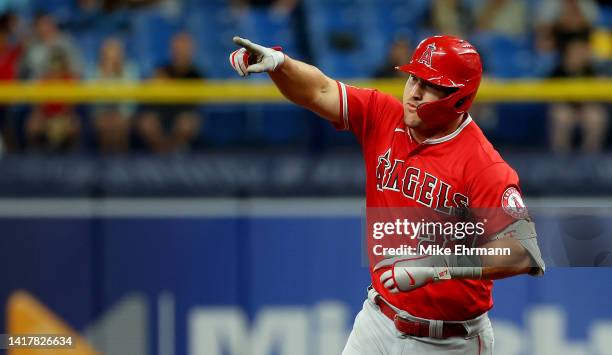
301 83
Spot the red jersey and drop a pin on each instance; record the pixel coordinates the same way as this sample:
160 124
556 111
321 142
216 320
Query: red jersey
460 169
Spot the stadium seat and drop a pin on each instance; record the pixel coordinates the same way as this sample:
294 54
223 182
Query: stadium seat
521 125
89 44
278 124
338 37
61 9
213 28
274 29
224 125
152 32
395 18
503 56
605 16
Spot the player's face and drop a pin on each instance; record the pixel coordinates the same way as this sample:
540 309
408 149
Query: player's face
418 91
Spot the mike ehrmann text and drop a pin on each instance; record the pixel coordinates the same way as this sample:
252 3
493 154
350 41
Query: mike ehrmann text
409 250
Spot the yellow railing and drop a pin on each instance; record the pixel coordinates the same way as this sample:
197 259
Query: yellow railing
241 91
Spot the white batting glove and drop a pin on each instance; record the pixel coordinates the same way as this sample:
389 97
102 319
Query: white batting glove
407 274
253 58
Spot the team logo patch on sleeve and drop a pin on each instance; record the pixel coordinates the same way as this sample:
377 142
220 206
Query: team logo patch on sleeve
513 204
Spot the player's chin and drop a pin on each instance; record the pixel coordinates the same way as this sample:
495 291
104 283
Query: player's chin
412 120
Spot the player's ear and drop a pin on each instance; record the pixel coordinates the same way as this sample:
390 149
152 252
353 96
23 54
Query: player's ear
462 101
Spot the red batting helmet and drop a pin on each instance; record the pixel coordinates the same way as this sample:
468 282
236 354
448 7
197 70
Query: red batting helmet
449 62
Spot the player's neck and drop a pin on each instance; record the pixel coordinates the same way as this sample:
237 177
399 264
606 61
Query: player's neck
421 135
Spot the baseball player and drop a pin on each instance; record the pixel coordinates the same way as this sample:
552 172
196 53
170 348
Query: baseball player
424 151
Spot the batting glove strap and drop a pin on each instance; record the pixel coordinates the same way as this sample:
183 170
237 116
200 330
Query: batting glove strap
441 273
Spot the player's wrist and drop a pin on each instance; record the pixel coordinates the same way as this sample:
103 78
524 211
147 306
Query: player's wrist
465 272
279 58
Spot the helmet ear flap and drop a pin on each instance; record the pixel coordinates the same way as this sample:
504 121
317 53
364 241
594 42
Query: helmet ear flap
442 111
462 101
439 112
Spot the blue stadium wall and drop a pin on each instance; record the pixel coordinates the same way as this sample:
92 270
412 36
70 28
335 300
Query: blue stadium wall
233 278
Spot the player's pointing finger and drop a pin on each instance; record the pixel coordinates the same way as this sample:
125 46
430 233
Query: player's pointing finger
239 41
243 42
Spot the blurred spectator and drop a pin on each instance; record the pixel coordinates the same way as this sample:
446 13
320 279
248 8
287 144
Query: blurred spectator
564 27
173 128
10 54
112 122
561 21
400 52
89 6
508 17
451 17
48 37
54 126
10 50
590 117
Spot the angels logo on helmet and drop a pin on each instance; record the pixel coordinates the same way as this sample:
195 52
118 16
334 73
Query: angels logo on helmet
426 57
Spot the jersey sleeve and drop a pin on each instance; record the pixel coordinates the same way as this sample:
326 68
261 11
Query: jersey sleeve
357 109
495 198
